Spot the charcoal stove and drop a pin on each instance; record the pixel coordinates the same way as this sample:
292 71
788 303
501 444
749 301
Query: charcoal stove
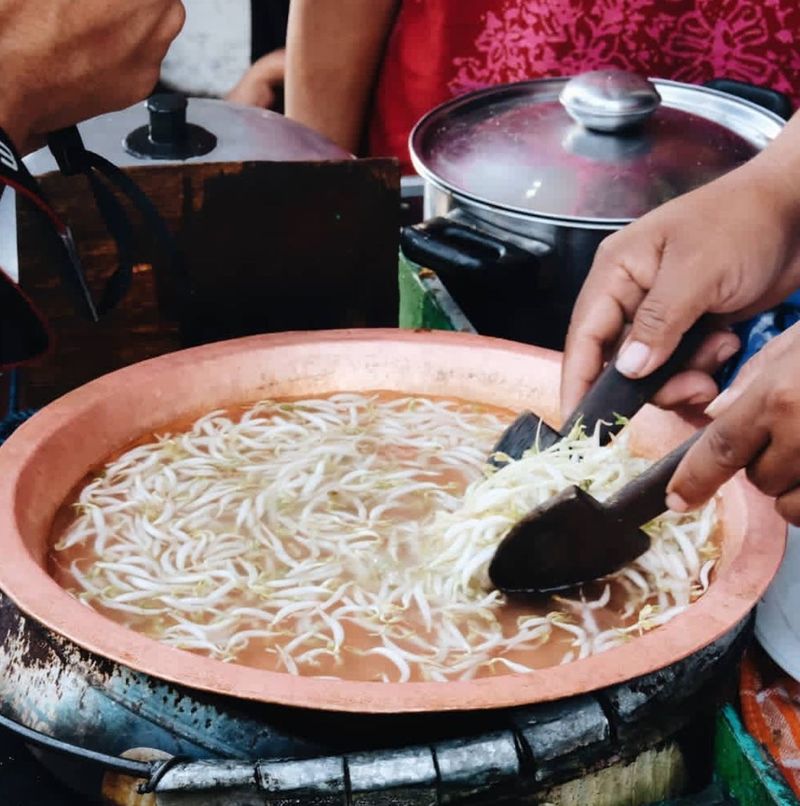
579 750
229 752
623 743
241 754
633 742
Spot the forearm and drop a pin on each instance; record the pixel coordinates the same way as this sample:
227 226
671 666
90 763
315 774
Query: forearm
257 85
333 53
730 248
65 62
777 169
14 117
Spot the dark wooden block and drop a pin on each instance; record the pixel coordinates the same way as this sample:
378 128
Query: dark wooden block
267 247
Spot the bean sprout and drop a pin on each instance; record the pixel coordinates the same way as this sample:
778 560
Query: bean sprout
350 537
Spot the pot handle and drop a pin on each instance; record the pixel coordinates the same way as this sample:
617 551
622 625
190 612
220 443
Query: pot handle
769 99
445 245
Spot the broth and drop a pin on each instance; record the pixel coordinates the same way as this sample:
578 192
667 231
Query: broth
323 547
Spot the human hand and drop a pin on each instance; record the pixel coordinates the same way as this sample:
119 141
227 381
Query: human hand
257 86
730 248
64 62
756 424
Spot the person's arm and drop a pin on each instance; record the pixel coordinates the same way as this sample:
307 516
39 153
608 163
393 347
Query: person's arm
258 85
13 120
64 62
333 51
730 248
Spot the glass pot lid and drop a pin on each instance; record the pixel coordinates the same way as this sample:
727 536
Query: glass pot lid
603 146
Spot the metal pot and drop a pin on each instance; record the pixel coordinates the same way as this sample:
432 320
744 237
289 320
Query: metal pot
524 180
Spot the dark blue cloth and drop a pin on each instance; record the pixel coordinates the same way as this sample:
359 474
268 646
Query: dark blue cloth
756 332
14 417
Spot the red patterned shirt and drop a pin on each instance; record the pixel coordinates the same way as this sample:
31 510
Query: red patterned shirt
442 48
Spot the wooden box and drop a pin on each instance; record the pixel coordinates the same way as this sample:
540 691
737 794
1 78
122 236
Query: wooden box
266 247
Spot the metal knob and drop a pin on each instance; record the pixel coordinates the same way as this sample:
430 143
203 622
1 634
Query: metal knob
167 118
609 100
168 136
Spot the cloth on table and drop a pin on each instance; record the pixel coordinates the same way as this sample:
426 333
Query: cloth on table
756 332
770 702
770 698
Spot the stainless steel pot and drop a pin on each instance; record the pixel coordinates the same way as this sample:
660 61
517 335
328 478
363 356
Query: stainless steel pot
524 180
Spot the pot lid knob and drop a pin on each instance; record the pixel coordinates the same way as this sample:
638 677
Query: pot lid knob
609 100
168 136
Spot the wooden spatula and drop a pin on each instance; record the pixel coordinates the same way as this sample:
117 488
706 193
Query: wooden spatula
574 538
612 399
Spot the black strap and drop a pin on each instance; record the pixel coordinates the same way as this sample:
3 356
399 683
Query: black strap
15 174
121 231
155 223
23 334
73 158
102 175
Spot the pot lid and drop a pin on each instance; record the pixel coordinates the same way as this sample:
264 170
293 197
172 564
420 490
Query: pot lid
604 146
167 128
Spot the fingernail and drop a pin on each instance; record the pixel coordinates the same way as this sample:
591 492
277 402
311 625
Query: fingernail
727 351
632 358
676 503
699 399
721 402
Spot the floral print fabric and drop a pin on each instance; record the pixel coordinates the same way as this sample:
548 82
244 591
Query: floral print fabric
442 48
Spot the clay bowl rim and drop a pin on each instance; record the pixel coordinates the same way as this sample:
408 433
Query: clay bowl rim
729 599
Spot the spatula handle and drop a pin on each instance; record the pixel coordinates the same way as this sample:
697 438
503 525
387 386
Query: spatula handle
614 394
642 499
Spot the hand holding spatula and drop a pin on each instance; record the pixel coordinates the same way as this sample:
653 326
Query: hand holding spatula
611 401
573 538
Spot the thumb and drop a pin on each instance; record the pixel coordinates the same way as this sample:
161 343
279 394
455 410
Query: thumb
668 310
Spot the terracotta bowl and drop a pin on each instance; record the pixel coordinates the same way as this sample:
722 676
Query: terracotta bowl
51 453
